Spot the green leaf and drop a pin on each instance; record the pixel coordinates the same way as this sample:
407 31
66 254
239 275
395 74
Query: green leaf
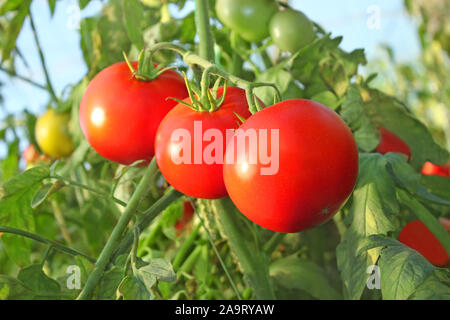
405 175
327 98
52 5
13 28
435 287
278 76
388 112
437 185
294 273
159 268
15 211
44 192
133 15
13 289
354 114
402 271
10 165
23 182
39 283
372 208
131 288
109 283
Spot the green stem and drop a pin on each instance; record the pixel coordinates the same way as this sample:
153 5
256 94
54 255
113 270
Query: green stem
29 81
147 218
273 242
42 58
206 48
254 264
185 247
93 190
40 239
113 241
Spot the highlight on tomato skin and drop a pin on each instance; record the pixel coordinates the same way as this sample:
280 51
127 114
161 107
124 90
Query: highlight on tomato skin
418 237
430 169
390 142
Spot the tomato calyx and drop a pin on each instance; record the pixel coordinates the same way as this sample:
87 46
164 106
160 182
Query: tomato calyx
203 100
147 71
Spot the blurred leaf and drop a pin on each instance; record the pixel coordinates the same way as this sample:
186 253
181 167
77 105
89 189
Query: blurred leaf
44 192
14 25
133 15
294 273
109 283
13 289
131 288
435 287
39 283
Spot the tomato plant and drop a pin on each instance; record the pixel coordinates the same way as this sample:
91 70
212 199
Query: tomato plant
52 134
249 18
291 30
183 175
115 98
307 188
304 174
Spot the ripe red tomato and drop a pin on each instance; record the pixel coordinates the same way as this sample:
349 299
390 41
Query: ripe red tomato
188 213
119 115
317 167
418 237
30 154
198 179
434 169
390 142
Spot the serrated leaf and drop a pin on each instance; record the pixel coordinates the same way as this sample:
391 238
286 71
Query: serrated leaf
373 205
159 268
24 181
294 273
402 271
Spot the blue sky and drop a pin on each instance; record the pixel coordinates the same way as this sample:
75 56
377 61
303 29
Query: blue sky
353 19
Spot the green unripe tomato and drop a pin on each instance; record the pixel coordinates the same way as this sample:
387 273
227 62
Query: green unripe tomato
249 18
52 134
291 30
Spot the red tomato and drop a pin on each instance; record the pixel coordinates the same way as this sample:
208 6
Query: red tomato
318 166
119 115
30 154
434 169
188 213
390 142
418 237
198 179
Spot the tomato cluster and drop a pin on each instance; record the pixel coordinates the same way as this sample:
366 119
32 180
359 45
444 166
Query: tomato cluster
255 20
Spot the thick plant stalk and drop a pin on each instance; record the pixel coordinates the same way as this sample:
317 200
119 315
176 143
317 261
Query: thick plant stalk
147 218
206 49
254 264
113 241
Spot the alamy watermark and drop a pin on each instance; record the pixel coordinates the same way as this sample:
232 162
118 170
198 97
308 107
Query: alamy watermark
188 149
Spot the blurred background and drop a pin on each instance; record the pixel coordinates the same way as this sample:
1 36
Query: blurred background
406 43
